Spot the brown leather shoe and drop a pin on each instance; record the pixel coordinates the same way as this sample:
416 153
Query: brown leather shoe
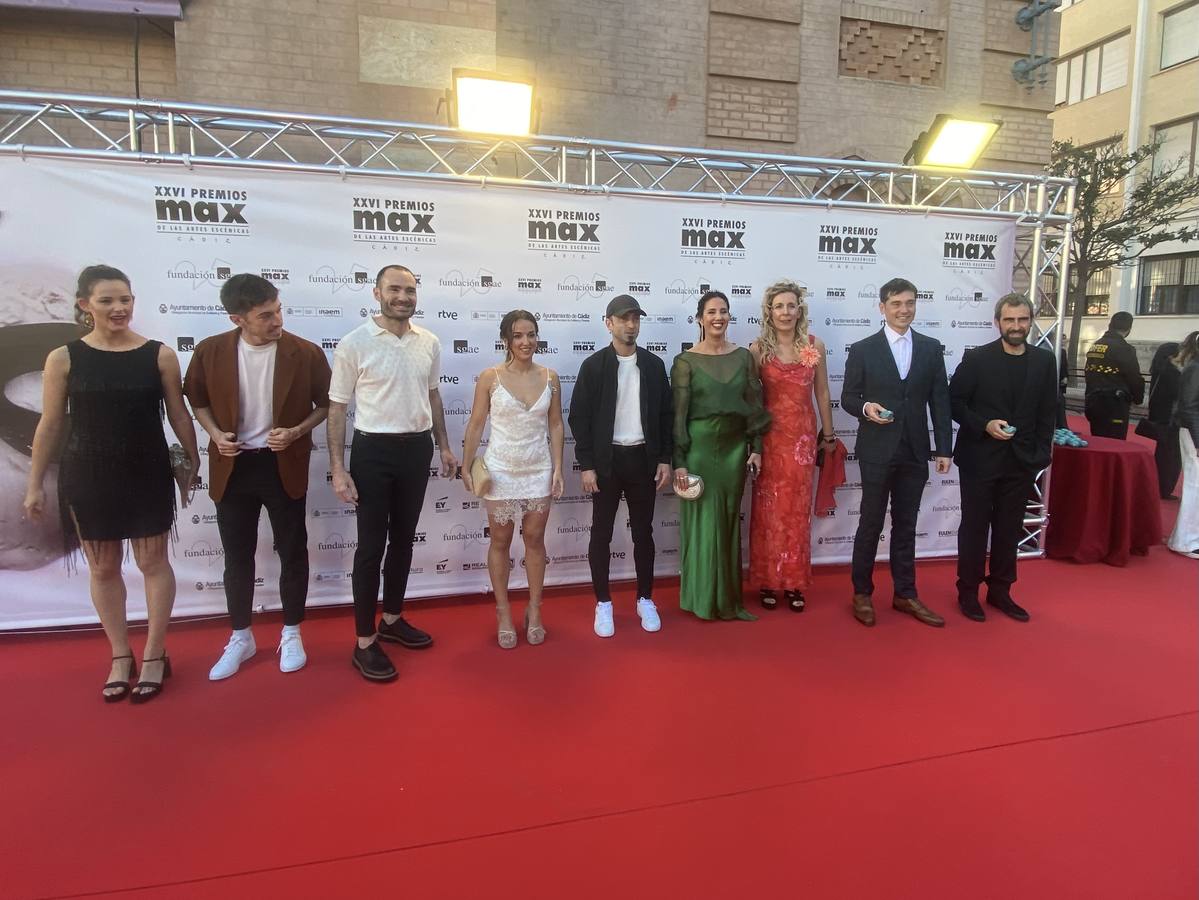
914 607
863 609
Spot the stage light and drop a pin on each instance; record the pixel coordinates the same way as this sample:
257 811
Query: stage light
491 103
951 143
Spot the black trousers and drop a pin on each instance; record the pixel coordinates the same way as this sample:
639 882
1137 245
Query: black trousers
254 484
1107 414
900 483
1168 457
391 472
630 468
996 504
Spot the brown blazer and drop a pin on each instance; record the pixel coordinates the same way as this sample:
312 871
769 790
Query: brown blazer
301 383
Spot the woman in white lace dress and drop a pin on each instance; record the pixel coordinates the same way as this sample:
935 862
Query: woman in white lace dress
524 463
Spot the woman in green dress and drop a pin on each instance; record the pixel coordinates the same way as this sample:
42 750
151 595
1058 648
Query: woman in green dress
719 420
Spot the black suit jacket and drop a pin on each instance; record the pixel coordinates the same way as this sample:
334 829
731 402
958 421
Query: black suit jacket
593 410
871 376
979 392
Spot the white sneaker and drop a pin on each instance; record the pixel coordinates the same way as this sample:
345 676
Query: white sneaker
650 620
291 652
604 626
237 651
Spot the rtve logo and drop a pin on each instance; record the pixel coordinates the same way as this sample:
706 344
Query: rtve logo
448 379
447 314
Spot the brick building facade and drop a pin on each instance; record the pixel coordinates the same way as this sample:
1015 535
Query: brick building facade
829 78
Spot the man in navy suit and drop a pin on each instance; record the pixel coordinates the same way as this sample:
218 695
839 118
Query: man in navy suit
1004 398
893 379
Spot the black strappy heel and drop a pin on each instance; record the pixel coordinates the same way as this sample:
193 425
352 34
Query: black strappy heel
155 687
123 685
767 599
795 600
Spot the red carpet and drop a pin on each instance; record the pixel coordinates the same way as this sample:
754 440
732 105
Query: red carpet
796 756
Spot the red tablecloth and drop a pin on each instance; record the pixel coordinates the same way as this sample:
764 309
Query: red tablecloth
1103 502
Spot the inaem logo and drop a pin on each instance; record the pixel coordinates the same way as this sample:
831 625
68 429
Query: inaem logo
382 219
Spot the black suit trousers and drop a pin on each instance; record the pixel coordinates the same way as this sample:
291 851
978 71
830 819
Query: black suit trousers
997 504
255 483
900 483
629 477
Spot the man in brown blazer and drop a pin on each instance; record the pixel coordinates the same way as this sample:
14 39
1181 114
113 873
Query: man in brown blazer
258 392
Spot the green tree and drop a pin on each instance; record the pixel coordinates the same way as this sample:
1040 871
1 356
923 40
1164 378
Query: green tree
1109 231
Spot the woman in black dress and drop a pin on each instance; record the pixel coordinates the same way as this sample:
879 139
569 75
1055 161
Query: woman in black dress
104 394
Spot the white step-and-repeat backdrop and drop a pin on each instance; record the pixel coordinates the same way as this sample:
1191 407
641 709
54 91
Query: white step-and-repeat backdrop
479 252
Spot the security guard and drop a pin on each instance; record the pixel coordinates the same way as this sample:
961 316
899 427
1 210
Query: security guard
1113 380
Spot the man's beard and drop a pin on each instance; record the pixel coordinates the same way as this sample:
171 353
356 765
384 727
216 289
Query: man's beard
1015 340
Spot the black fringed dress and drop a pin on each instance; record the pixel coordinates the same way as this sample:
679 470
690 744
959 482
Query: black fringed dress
115 478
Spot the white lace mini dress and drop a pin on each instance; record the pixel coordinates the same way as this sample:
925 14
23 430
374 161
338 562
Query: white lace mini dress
518 454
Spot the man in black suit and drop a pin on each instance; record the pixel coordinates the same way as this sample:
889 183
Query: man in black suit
621 415
1004 398
892 380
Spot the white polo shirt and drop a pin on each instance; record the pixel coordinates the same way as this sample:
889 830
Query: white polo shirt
390 377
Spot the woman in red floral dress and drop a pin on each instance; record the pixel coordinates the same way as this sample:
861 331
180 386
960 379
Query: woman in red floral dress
792 366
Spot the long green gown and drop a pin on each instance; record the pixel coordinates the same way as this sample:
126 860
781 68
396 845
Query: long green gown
719 417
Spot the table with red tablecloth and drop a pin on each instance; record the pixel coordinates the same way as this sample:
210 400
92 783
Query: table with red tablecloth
1103 502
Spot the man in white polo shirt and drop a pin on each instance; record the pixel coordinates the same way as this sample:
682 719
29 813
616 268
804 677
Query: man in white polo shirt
392 368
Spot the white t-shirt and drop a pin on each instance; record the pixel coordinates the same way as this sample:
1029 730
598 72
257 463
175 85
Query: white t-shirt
626 429
255 392
388 377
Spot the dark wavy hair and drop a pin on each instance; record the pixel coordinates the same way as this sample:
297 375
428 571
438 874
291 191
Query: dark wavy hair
703 301
509 322
88 279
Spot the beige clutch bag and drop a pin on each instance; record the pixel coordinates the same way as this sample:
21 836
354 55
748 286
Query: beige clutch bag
694 489
480 477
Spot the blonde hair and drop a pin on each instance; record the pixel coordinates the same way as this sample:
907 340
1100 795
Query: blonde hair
1187 351
767 345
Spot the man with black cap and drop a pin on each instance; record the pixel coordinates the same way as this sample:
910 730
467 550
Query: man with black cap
1114 380
621 417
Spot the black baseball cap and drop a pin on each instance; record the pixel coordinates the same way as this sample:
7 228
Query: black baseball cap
622 305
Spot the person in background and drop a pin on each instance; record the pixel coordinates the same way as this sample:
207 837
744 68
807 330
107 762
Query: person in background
1004 397
1163 395
1114 380
621 420
258 391
392 368
524 463
719 421
792 366
105 394
1184 538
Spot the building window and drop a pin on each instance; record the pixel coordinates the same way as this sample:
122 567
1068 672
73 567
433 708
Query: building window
1180 35
1099 290
1176 146
1096 70
1170 285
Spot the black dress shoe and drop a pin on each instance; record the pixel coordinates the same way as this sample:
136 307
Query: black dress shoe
1009 607
972 609
400 632
373 663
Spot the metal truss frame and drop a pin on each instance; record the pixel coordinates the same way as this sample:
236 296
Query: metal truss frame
187 134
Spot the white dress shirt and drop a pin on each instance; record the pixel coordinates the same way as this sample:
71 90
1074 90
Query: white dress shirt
389 377
901 349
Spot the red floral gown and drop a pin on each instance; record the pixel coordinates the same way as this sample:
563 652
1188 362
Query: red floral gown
780 547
